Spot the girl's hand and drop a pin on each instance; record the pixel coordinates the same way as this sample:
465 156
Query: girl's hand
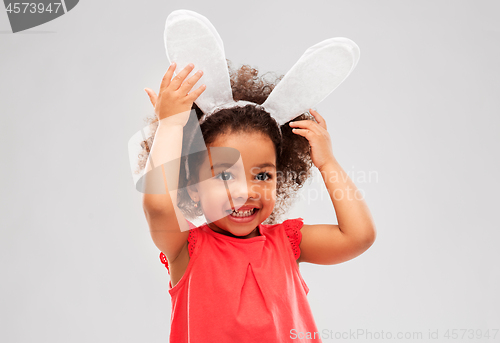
318 137
174 97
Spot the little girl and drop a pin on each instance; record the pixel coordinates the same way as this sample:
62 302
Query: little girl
234 278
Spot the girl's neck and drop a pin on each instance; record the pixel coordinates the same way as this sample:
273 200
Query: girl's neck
215 228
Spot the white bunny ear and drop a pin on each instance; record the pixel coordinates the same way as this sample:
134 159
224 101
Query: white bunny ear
191 38
320 70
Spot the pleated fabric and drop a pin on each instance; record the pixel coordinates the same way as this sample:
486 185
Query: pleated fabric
242 290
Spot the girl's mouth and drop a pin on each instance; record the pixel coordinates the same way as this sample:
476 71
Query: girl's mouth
242 216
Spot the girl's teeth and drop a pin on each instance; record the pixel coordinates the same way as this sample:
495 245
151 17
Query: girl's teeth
243 213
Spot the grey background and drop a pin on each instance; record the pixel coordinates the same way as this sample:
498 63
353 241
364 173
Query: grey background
420 111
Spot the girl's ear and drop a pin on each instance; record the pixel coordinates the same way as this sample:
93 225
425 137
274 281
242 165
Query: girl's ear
193 193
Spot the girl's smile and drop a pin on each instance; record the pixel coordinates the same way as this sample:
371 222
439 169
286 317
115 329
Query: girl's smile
243 215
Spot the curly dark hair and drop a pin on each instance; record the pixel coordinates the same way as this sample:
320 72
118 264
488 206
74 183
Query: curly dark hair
292 151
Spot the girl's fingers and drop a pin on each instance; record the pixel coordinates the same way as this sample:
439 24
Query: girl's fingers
197 92
152 96
188 85
321 121
179 78
307 124
165 82
303 132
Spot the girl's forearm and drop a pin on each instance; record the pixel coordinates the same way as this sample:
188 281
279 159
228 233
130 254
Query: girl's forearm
167 147
353 216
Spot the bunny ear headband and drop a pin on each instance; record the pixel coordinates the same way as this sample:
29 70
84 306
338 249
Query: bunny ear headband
191 38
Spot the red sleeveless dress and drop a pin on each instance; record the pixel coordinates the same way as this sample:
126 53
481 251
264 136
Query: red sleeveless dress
242 290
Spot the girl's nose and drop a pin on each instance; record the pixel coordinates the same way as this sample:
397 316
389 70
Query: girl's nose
244 190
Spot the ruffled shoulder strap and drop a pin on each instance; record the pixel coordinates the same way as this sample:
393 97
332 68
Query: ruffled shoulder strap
192 238
292 229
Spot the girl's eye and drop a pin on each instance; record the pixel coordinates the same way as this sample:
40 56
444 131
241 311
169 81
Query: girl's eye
223 176
263 176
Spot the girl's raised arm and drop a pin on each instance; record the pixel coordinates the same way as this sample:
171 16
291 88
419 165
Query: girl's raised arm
355 232
168 228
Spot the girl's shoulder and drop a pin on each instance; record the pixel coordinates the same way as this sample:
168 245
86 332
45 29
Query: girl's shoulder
291 227
193 237
288 224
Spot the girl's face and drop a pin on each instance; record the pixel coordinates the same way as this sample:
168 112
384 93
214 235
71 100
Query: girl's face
249 185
